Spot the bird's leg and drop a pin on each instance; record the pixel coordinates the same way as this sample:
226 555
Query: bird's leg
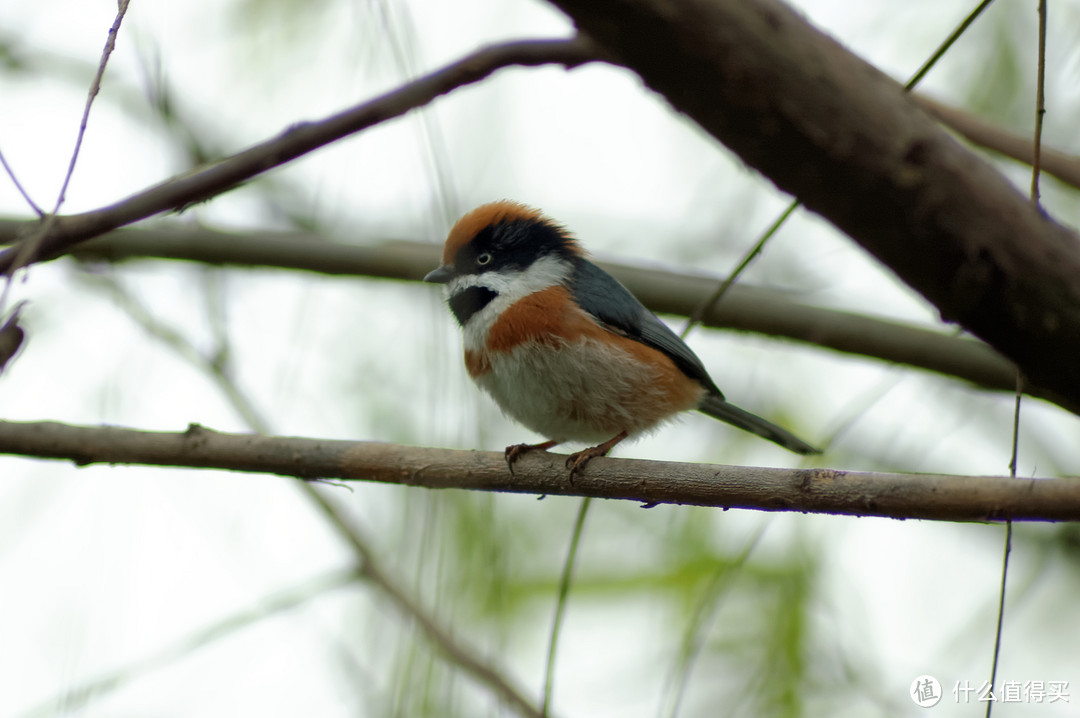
516 451
576 462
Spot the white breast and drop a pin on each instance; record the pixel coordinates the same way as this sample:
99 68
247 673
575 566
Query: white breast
582 391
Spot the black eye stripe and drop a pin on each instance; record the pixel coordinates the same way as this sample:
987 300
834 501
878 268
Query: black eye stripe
512 243
469 301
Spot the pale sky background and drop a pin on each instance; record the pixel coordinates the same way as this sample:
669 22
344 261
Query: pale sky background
102 567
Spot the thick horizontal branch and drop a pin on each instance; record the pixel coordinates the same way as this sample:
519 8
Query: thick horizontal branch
745 308
847 141
914 496
54 236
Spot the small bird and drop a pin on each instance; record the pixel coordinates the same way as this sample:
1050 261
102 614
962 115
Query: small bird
564 348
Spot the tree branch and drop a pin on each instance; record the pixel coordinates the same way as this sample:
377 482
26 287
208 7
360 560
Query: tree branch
916 496
454 649
745 307
845 140
53 237
1064 166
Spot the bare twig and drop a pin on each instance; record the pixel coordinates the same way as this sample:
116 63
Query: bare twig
1040 107
565 580
922 496
460 655
729 281
95 88
946 45
209 181
32 245
1064 166
1040 110
210 363
457 653
701 620
454 649
18 185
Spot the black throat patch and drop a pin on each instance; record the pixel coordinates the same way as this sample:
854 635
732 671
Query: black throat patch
469 301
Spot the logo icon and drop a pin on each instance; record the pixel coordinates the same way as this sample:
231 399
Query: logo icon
925 691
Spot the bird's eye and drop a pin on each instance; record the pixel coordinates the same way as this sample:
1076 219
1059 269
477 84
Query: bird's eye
483 259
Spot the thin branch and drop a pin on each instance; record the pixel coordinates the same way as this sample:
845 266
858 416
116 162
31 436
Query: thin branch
1040 107
560 603
1040 110
296 141
746 308
455 652
701 621
209 363
946 45
18 185
909 496
453 649
91 95
25 253
729 281
1060 164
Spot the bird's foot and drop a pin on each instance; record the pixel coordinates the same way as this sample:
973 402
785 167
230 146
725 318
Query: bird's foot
576 462
516 451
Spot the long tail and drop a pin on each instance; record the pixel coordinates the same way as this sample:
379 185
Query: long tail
718 408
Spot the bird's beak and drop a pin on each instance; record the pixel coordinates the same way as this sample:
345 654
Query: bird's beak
440 275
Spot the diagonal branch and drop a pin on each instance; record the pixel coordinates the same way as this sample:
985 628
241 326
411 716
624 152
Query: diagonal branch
453 648
26 251
844 139
918 496
95 88
53 238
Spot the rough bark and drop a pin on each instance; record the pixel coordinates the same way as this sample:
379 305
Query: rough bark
915 496
852 146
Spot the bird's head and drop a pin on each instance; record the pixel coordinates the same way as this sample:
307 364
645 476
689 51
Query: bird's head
502 249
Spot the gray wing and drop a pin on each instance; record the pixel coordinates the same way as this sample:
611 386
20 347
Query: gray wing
602 296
